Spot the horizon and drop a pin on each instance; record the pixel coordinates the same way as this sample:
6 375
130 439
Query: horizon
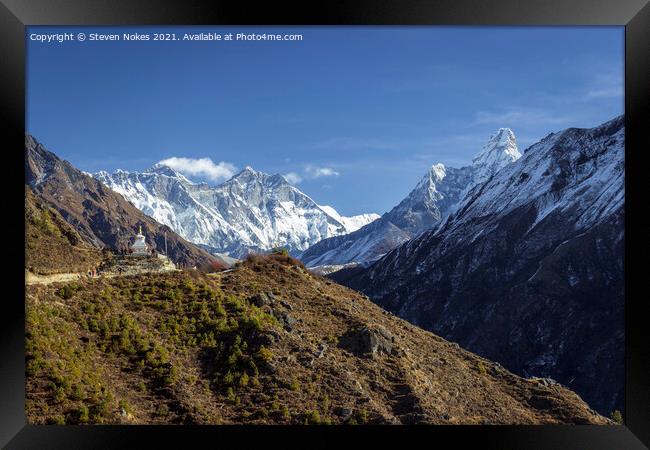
351 116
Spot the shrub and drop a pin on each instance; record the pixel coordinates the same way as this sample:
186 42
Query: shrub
312 418
361 416
214 266
617 417
77 393
230 394
326 402
66 292
59 394
57 420
481 368
264 354
280 251
82 414
282 258
125 406
162 410
334 340
228 378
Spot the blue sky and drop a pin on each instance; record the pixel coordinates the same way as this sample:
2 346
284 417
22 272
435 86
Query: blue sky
356 115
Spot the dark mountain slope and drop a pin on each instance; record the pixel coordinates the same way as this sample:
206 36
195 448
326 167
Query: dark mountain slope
102 217
529 270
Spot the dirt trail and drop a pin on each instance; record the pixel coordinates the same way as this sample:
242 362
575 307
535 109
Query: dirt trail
32 278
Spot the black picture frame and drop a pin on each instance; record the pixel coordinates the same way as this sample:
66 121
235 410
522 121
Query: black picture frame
633 14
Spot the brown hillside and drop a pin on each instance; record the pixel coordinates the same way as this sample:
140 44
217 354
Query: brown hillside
101 216
264 343
51 244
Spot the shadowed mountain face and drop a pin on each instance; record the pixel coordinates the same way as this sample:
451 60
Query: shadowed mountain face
101 217
528 270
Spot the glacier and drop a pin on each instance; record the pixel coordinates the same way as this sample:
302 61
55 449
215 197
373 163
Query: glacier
251 212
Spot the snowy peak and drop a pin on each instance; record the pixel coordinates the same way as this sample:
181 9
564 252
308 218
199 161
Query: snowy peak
248 171
499 151
351 223
252 211
426 188
162 169
427 206
431 200
437 172
249 175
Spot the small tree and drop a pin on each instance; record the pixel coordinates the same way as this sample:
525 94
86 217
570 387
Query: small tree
617 417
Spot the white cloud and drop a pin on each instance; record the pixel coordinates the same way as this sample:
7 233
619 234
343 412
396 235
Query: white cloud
204 167
293 178
317 172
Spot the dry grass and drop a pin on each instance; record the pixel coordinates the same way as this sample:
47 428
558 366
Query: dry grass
51 244
193 348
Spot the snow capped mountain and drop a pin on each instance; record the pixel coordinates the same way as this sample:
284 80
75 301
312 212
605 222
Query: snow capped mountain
252 211
352 223
530 259
432 199
500 150
427 205
101 217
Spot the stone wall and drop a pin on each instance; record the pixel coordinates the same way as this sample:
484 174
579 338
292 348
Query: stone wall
132 265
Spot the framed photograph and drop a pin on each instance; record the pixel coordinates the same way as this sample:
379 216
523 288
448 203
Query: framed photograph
307 223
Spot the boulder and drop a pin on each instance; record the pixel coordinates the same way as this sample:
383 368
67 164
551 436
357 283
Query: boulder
369 341
260 299
344 413
287 320
286 305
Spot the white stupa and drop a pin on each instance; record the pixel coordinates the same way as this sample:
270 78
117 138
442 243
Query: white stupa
139 247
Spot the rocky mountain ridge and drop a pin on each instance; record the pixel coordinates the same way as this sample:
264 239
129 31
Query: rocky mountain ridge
427 206
251 212
528 270
100 216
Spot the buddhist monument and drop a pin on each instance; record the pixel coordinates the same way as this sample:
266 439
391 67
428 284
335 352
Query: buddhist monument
139 247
